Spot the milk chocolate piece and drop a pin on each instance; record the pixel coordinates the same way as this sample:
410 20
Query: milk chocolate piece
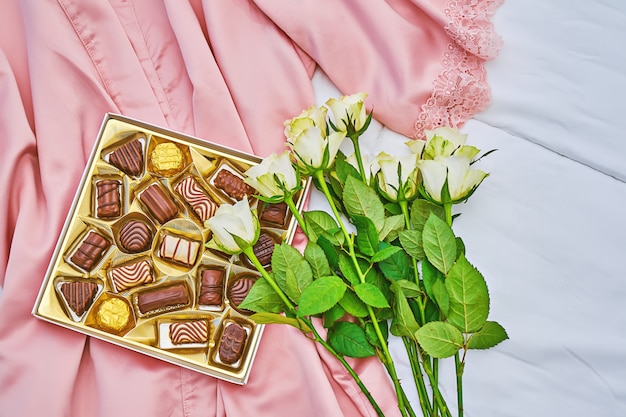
274 213
163 299
113 315
135 236
90 251
158 203
233 185
108 202
167 159
192 331
131 275
264 248
79 295
232 343
211 287
129 157
239 289
197 199
180 250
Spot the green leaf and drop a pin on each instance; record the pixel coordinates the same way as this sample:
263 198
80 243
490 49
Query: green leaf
331 252
316 258
460 247
296 279
411 241
317 222
395 267
489 336
391 227
284 257
345 169
366 235
441 297
430 274
353 305
439 339
335 313
334 236
361 200
262 299
272 318
385 253
469 297
420 211
372 337
371 295
321 295
439 243
410 288
349 339
403 323
348 270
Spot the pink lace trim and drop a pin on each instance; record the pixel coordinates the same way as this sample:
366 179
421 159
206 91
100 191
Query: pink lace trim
460 91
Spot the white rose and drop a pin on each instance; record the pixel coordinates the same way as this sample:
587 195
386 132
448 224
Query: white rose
348 112
462 180
274 177
398 176
314 151
234 227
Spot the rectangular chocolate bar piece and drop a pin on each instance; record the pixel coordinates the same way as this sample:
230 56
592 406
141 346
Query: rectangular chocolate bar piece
159 204
163 299
179 250
212 287
233 185
108 201
189 332
90 251
232 343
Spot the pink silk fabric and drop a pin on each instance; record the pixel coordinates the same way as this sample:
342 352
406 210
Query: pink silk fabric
227 71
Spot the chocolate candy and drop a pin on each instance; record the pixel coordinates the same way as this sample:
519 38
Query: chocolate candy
162 299
232 343
198 200
274 213
233 185
191 331
135 236
90 251
211 287
131 275
158 203
179 250
239 289
108 204
167 159
129 157
264 248
113 315
79 295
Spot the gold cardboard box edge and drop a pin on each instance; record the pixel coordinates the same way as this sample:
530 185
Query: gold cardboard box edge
240 377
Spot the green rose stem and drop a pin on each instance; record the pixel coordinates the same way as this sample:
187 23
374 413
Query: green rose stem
249 252
386 359
292 207
458 364
357 151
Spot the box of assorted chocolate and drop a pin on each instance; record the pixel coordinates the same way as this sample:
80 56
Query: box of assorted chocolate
131 265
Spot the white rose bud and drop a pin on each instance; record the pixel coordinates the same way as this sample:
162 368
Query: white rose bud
274 177
234 227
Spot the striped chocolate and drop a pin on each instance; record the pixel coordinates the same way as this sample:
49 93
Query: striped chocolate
135 236
79 295
239 289
197 199
129 157
108 202
192 331
131 275
90 251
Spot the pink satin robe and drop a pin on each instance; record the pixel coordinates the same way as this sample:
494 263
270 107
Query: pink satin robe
227 71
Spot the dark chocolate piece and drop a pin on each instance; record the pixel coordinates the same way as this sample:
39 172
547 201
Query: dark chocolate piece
162 299
233 185
263 249
90 251
192 331
232 343
135 236
211 287
239 289
158 203
274 213
108 199
197 199
79 295
129 157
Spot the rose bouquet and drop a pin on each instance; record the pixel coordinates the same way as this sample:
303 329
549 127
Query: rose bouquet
383 262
